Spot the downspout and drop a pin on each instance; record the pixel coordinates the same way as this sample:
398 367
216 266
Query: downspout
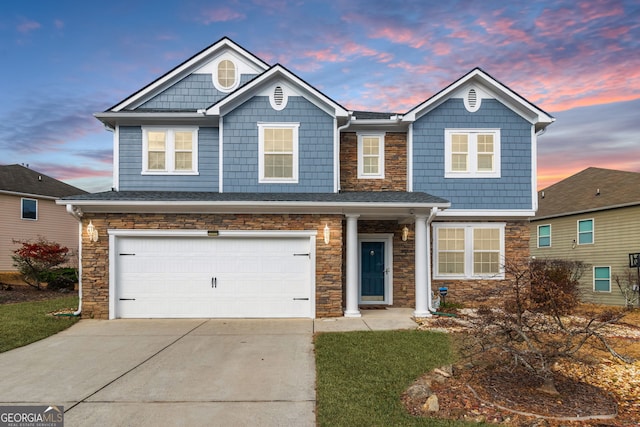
432 215
77 214
337 149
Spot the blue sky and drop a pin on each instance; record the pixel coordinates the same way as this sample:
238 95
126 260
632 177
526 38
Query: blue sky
62 61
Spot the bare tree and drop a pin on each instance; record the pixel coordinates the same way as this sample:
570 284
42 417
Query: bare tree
532 327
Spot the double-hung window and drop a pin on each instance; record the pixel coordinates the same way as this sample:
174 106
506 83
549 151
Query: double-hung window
169 151
465 250
472 153
29 209
278 152
585 231
371 155
602 279
544 236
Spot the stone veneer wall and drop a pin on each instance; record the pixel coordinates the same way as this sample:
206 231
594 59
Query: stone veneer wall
95 255
468 292
395 164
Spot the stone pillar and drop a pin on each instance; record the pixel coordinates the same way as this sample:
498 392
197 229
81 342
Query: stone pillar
422 260
352 267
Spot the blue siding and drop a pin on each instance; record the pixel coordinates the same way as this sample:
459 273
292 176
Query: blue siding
315 147
194 92
130 162
511 191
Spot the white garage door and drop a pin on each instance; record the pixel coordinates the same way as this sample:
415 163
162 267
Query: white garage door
170 277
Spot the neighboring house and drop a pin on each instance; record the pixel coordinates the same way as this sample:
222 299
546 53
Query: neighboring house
28 210
593 217
240 190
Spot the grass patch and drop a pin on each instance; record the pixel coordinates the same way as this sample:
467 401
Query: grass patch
361 375
26 322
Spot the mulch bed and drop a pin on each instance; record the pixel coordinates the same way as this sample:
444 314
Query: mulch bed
12 293
509 397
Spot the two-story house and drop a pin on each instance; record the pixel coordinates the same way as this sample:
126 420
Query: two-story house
240 190
592 217
28 211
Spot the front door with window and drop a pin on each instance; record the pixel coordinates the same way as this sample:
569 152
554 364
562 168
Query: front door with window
372 275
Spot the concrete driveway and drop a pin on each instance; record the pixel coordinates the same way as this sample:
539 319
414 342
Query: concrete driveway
169 372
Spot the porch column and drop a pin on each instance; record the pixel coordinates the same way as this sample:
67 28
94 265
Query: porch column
352 267
422 259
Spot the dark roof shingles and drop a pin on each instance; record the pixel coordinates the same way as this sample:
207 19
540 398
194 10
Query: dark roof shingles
20 179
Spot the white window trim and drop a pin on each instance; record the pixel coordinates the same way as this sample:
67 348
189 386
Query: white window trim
261 178
468 250
169 150
473 154
593 231
380 174
594 278
22 209
538 236
214 76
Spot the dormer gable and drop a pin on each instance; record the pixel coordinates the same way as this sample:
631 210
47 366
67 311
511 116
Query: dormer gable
473 88
225 62
278 84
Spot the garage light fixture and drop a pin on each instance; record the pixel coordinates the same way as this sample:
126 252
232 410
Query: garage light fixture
327 234
212 233
92 232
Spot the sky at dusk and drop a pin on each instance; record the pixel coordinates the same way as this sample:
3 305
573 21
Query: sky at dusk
579 61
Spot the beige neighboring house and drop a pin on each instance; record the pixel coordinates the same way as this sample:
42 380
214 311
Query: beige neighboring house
594 217
28 210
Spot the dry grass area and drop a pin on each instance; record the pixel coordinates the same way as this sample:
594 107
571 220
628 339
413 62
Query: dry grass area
599 391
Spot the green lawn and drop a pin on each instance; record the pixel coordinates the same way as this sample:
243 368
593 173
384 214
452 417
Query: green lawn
361 375
26 322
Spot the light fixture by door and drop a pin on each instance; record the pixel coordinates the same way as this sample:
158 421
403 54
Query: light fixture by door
327 234
405 233
92 232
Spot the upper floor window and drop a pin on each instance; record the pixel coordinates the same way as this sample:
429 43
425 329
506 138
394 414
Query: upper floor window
585 231
602 279
472 153
170 150
469 250
227 76
29 209
370 155
278 152
544 236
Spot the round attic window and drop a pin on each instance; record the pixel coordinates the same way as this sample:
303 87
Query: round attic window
226 74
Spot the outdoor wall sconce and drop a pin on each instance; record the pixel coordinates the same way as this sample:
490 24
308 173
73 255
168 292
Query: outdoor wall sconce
405 233
573 244
327 234
92 232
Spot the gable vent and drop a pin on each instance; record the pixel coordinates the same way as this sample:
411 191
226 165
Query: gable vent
278 98
472 100
278 95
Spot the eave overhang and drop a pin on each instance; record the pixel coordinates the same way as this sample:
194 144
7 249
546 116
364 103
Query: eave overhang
391 209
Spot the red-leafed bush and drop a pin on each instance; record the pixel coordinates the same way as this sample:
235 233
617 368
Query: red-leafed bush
33 259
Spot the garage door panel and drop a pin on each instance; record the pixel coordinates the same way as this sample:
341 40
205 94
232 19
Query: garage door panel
221 277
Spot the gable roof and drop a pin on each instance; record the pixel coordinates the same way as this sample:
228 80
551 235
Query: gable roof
276 72
17 179
479 77
186 68
592 189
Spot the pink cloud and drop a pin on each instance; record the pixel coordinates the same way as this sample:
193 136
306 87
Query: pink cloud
399 35
59 24
223 14
27 26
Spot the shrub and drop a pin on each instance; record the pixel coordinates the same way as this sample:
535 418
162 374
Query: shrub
33 259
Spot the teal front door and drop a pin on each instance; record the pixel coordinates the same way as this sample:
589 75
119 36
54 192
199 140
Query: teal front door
372 271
